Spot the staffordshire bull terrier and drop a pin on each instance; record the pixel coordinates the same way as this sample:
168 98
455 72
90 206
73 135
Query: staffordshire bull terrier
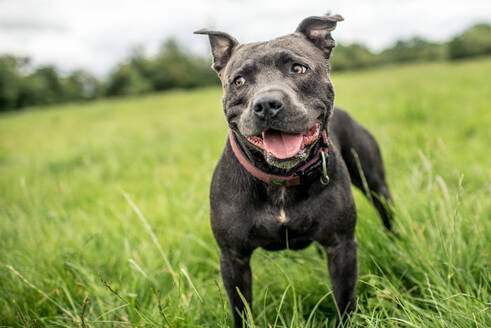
284 178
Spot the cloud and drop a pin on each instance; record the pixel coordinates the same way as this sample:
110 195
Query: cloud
97 34
29 26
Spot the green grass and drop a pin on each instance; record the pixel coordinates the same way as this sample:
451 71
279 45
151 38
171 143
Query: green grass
74 179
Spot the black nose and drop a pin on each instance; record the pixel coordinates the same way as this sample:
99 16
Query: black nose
268 105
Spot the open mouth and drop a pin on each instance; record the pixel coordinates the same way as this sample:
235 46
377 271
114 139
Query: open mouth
283 145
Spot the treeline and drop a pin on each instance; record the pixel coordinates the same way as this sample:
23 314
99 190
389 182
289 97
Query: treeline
476 41
171 67
21 85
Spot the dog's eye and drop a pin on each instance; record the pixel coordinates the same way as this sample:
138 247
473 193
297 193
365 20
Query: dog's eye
299 69
239 81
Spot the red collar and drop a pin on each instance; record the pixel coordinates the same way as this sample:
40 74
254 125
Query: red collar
313 167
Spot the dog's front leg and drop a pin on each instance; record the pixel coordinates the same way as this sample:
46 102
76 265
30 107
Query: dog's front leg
343 269
236 274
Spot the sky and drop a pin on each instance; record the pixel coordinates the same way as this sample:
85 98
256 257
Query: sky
97 34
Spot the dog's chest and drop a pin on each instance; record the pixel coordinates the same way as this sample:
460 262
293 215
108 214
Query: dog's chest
284 224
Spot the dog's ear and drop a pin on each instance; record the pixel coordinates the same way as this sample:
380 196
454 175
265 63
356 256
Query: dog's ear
222 46
318 30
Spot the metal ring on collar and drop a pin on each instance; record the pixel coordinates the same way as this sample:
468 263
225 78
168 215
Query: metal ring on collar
324 178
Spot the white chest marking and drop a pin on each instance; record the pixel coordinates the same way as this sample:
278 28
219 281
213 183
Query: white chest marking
282 194
282 217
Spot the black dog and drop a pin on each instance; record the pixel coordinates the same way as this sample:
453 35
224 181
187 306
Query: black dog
283 180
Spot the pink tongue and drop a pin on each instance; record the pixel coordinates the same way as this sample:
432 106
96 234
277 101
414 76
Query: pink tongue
282 144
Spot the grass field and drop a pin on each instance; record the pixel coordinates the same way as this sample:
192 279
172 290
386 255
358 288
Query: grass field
104 211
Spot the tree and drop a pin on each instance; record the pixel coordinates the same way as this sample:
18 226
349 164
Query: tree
9 82
476 41
415 49
173 68
351 57
49 80
126 80
81 85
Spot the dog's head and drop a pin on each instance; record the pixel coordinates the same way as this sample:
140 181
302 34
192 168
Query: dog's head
277 94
